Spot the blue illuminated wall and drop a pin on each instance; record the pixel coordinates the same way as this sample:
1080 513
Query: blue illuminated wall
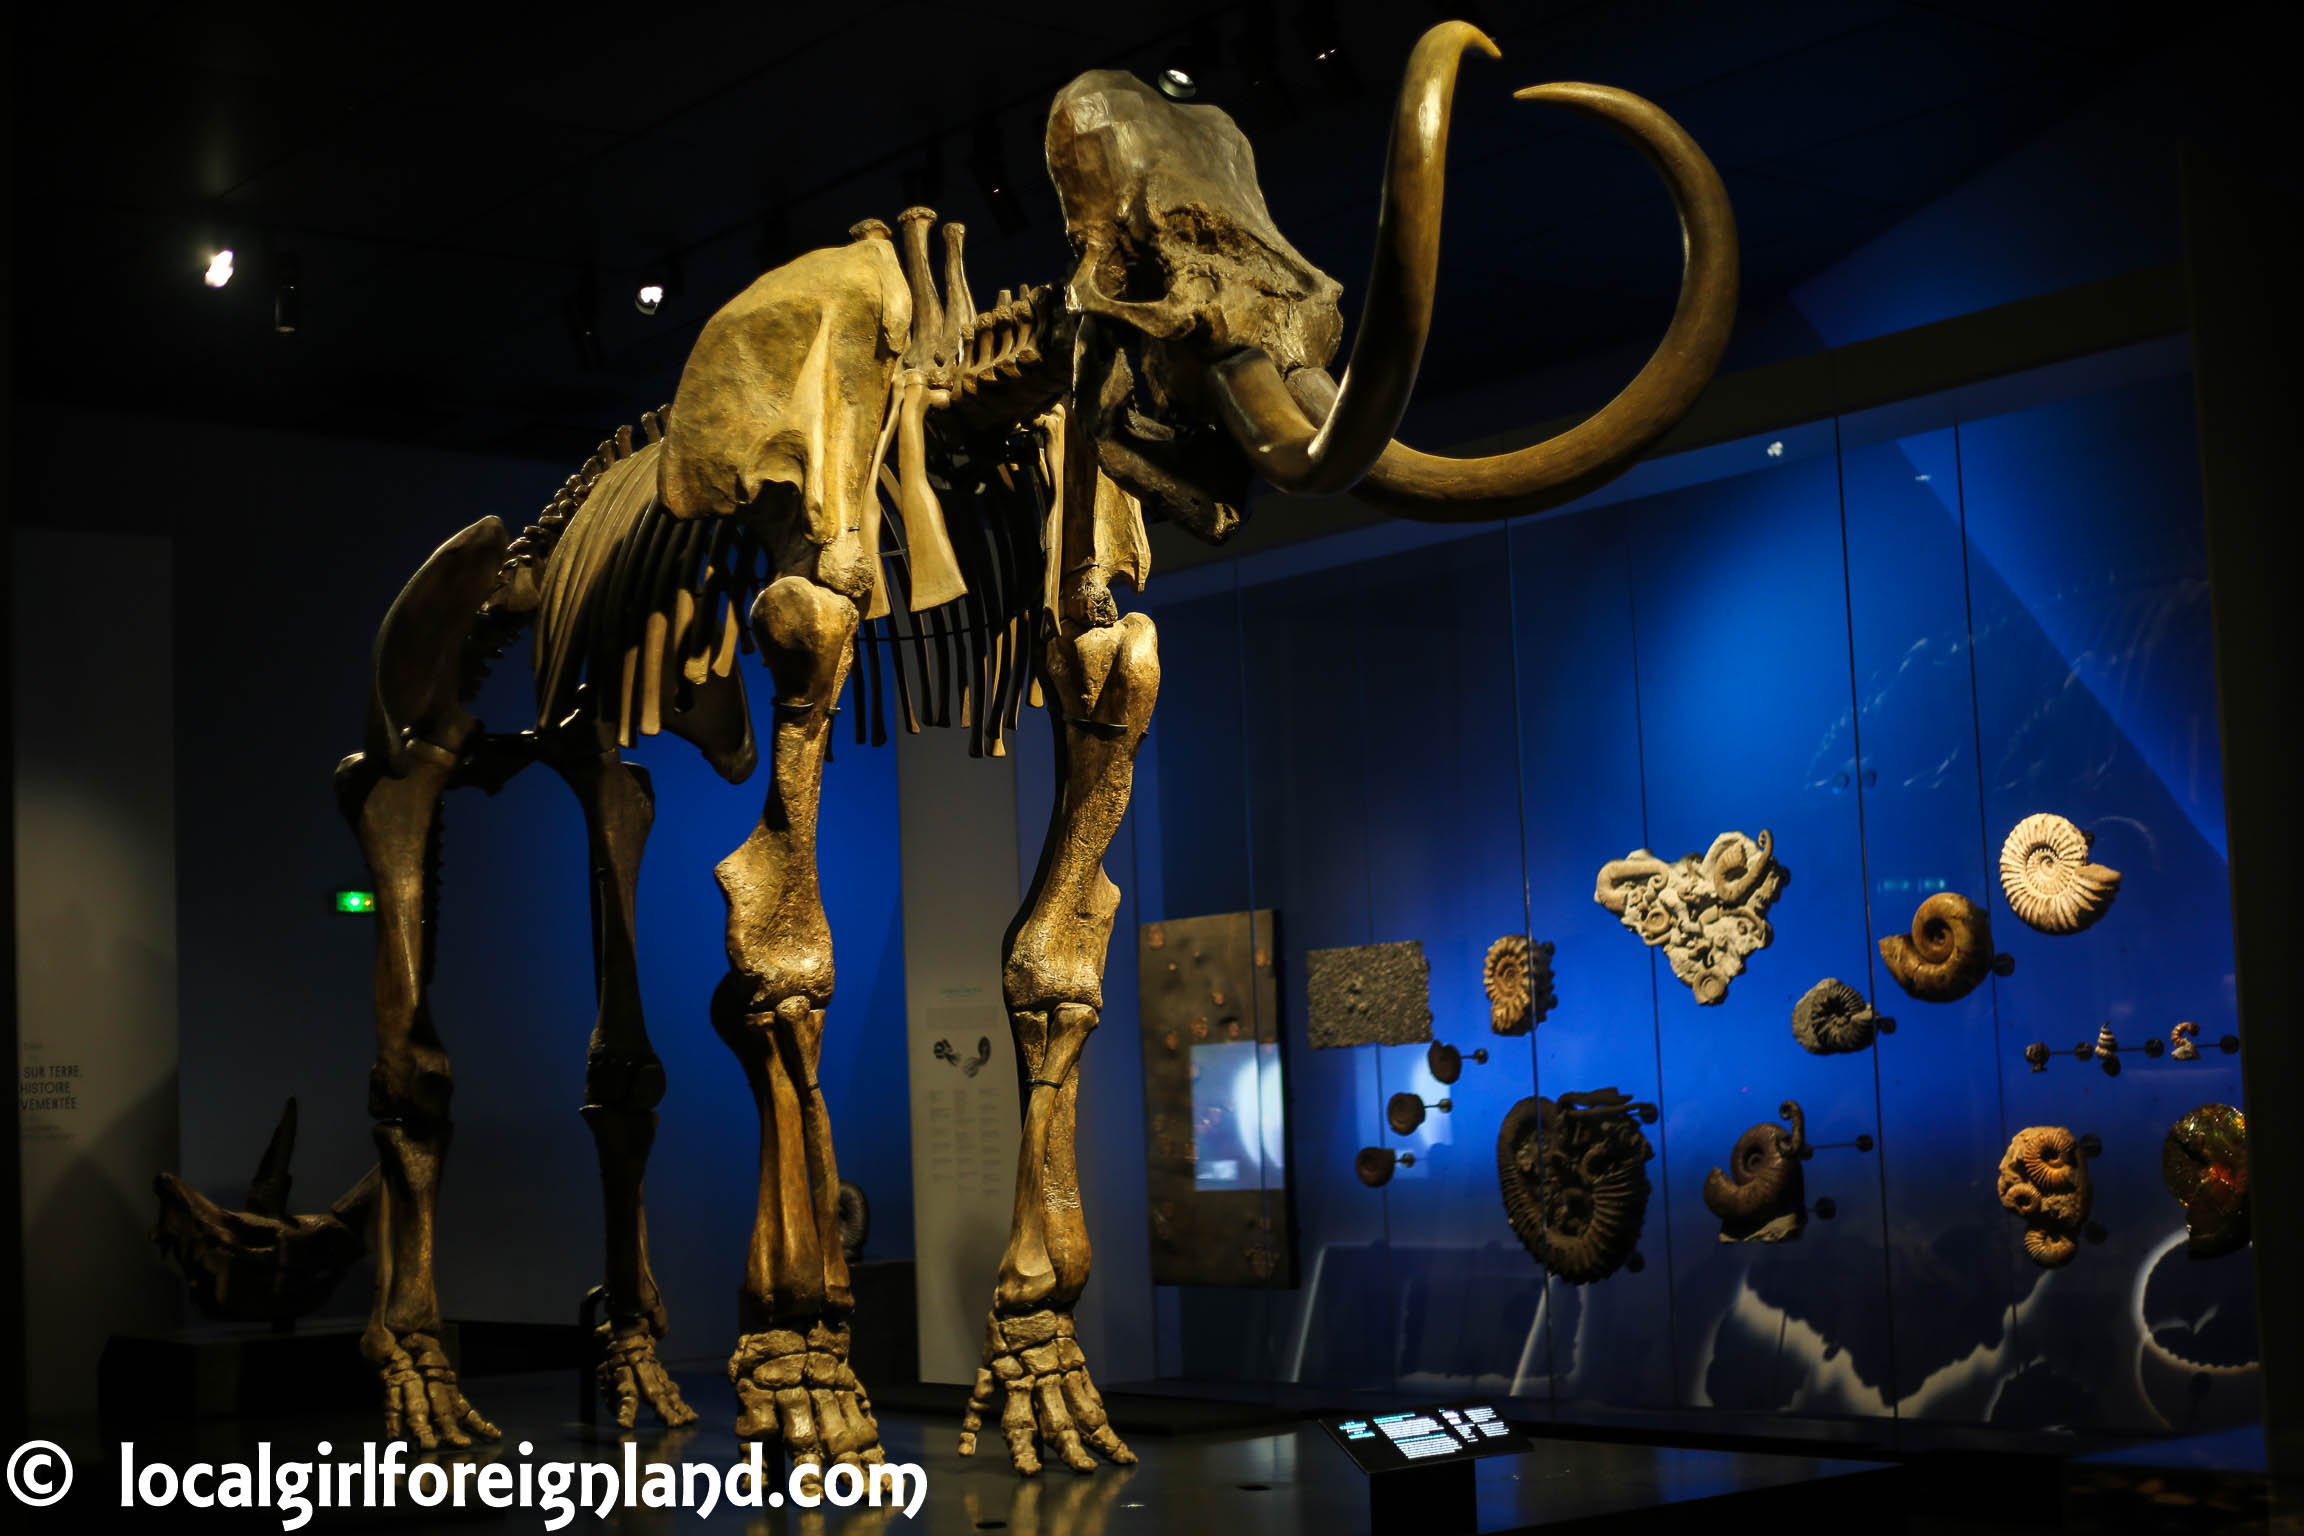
1884 638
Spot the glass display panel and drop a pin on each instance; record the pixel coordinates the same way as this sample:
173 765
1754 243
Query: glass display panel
1885 641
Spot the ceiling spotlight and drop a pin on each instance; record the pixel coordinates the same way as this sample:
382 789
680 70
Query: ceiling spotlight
581 310
1320 29
287 300
219 269
990 167
1176 85
659 280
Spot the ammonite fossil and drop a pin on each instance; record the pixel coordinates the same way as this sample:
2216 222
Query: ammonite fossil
2182 1038
1833 1017
1574 1180
2204 1163
1518 976
1707 914
1762 1199
1948 953
2044 1179
2051 885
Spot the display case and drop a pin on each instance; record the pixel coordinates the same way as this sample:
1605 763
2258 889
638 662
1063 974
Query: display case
1872 645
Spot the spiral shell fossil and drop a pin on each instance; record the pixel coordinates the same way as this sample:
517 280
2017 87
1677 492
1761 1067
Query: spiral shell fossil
1948 952
2044 1179
1833 1017
1518 976
1762 1199
2051 885
1574 1180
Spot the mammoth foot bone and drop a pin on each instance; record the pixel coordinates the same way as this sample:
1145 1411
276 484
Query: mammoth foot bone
1034 1359
422 1401
796 1387
630 1374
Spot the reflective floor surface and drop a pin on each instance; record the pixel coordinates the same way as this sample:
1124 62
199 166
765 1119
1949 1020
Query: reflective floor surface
1218 1484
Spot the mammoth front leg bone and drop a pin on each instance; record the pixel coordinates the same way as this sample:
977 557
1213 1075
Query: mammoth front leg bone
397 820
790 1367
623 1083
1105 680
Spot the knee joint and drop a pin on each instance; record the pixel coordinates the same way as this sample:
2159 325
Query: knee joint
615 1081
803 631
416 1098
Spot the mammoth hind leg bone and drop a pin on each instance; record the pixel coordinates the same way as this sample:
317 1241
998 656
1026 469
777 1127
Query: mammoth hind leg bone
1034 1374
623 1083
398 825
790 1368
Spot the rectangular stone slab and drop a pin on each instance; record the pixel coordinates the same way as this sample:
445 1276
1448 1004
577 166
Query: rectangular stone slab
1207 988
1370 994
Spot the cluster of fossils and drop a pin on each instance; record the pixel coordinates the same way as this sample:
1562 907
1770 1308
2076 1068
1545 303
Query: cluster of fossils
2044 1179
1707 912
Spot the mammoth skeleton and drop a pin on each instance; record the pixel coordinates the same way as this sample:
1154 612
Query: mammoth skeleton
863 473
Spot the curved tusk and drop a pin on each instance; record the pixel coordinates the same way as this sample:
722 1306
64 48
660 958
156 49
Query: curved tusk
1283 445
1435 488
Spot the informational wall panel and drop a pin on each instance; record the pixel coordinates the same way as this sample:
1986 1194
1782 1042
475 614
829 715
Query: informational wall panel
95 945
960 890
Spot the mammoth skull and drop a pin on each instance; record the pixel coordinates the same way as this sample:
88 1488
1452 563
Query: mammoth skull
1209 335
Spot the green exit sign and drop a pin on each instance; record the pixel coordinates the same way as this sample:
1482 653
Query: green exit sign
355 901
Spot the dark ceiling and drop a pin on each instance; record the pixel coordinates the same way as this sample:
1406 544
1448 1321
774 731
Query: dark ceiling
449 185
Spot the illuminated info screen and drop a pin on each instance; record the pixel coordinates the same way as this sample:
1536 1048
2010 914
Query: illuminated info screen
1416 1437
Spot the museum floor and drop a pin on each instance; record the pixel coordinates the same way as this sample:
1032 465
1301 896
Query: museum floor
1247 1479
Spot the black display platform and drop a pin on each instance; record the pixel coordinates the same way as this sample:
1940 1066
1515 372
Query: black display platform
233 1370
1242 1484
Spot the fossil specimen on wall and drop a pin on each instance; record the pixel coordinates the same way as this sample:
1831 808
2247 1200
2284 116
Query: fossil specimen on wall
2204 1163
2183 1037
1574 1181
1519 980
1370 994
2044 1179
855 1214
1761 1199
1208 1001
1375 1164
1947 954
1833 1017
1404 1112
2051 885
1446 1063
1707 913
